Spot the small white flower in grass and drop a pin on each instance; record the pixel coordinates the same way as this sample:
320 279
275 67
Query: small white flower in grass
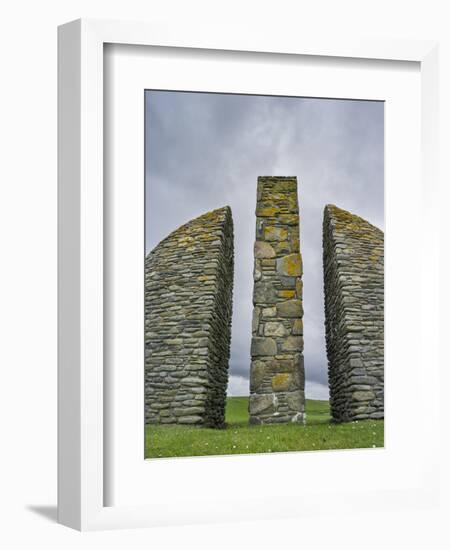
373 446
234 446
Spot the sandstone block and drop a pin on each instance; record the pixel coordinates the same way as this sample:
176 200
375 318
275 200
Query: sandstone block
262 403
295 401
263 346
290 265
257 373
264 293
290 308
269 312
292 343
363 395
264 250
274 328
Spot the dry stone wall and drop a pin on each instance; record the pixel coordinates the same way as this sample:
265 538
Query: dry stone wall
353 261
277 373
188 307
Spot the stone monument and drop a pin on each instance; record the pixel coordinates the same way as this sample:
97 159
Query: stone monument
277 377
188 306
353 264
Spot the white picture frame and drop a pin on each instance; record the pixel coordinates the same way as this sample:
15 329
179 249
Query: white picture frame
82 484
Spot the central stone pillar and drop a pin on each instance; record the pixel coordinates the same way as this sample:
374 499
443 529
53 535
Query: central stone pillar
277 379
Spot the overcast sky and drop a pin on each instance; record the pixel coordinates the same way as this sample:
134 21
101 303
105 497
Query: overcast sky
204 151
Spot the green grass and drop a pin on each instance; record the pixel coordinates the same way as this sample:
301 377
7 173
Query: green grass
240 438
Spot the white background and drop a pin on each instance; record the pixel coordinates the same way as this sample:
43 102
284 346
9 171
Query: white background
28 275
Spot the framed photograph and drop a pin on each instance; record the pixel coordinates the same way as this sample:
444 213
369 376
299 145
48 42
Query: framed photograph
244 329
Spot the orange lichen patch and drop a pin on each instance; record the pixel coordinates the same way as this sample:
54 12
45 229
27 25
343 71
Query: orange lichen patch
290 265
195 230
347 222
289 185
206 278
288 219
281 382
185 241
266 212
286 293
275 233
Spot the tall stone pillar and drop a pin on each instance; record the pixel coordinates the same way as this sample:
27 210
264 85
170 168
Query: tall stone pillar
353 266
277 377
188 308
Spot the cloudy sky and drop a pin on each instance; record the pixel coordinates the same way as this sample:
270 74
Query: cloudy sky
204 151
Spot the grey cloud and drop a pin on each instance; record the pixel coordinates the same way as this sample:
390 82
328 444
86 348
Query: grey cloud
206 150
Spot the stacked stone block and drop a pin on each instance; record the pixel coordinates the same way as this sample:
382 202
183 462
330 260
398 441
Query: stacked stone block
188 307
277 373
353 261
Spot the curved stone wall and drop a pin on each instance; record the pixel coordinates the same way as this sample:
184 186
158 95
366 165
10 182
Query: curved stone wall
353 260
277 379
188 306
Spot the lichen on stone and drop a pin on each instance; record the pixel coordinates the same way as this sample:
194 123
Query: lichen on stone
188 306
353 264
277 372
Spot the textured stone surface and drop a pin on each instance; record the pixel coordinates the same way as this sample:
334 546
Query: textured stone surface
188 306
277 377
264 250
353 260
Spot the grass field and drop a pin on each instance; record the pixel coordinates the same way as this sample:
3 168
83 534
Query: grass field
240 438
